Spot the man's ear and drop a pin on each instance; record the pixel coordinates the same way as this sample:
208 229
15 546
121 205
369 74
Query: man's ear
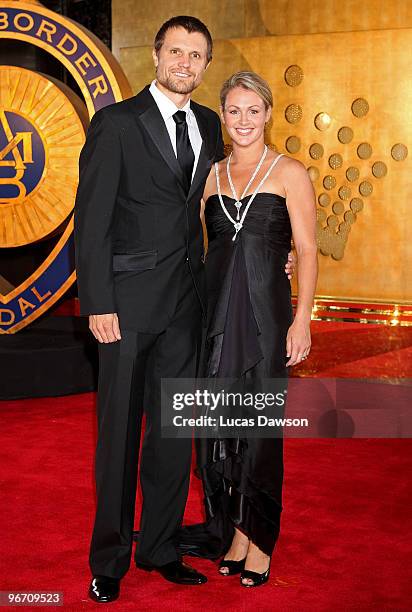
207 65
155 58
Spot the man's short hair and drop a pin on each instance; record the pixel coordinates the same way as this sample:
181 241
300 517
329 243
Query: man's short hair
190 24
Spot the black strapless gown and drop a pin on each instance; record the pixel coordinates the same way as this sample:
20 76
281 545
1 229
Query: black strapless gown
249 313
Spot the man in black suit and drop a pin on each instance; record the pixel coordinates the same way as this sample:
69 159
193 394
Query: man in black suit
139 251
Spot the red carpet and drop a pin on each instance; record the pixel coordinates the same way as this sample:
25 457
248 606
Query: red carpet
357 350
345 541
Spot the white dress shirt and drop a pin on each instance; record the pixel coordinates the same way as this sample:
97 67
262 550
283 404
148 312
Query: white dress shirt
167 109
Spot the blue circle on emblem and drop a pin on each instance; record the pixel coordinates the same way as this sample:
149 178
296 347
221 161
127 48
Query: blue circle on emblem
22 157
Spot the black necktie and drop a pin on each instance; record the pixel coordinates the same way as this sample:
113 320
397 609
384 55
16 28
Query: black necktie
185 155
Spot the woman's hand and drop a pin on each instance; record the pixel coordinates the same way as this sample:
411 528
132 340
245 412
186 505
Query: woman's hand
290 266
298 342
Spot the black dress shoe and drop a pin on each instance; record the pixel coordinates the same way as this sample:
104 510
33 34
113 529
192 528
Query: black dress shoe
104 589
176 571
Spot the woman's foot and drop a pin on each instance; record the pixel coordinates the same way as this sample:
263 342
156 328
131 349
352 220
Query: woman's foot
236 553
257 562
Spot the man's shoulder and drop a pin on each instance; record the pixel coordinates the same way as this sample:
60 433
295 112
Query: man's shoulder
207 112
123 110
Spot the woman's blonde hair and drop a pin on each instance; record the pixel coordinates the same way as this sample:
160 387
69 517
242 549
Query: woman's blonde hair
247 80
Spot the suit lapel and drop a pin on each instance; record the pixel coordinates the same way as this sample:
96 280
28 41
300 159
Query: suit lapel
205 154
151 119
153 123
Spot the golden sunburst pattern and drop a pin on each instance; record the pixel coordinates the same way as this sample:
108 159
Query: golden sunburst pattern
41 135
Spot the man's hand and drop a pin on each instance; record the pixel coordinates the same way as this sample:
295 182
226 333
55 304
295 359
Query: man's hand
290 266
105 327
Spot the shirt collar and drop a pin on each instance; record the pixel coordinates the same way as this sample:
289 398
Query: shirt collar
165 104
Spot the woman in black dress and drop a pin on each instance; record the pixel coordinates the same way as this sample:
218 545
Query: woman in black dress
254 201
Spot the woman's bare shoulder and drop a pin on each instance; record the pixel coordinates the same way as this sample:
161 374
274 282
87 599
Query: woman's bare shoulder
291 166
293 172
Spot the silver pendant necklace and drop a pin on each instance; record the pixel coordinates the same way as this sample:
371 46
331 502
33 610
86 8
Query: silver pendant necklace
238 223
238 202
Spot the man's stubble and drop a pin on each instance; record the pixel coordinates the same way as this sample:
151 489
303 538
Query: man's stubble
177 86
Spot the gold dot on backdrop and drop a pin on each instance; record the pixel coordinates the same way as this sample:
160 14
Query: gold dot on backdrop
349 217
344 228
331 243
335 161
329 182
332 221
345 134
325 246
338 208
324 199
294 75
328 232
352 173
365 188
322 121
320 215
293 113
364 150
379 169
399 152
344 192
292 144
316 150
313 173
326 240
338 248
356 205
360 107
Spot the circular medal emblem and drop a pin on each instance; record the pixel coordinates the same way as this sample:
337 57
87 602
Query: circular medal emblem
41 135
42 130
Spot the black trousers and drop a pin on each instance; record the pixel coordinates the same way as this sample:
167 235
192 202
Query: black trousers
129 382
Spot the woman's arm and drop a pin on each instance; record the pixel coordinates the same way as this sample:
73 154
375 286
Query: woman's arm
300 199
210 181
210 185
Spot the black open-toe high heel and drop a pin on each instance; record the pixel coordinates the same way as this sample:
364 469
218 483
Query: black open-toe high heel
234 567
257 579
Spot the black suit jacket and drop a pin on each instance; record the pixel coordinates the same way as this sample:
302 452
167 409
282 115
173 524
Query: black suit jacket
135 226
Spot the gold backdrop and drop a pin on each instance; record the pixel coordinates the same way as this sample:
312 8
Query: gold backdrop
343 106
